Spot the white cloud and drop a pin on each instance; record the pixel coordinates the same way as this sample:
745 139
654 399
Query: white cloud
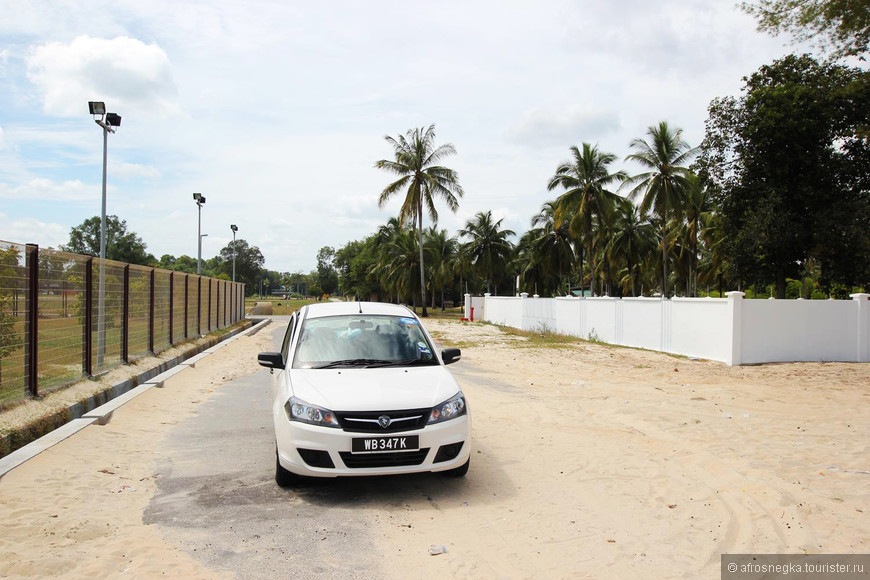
46 189
124 72
556 126
134 170
33 231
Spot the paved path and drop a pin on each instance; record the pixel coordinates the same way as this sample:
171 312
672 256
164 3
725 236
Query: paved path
216 495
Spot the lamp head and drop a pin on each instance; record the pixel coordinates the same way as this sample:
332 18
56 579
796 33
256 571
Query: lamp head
113 119
199 198
97 108
234 227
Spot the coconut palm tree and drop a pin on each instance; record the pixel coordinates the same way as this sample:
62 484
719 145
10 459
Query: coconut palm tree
633 238
398 265
550 249
585 178
422 180
664 186
441 252
488 247
713 236
698 203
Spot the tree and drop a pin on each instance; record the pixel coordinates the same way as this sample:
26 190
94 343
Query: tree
665 185
185 263
327 277
842 25
297 283
789 170
545 253
585 178
354 264
167 262
488 246
121 245
698 204
249 263
442 252
633 239
416 158
398 266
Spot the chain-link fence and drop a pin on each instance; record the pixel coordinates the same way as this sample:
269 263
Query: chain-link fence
65 316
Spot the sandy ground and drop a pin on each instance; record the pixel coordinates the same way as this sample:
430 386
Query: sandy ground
595 461
587 461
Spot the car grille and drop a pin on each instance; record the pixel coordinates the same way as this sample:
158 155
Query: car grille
362 460
367 421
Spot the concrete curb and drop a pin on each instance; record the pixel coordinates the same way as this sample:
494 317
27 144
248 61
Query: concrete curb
99 408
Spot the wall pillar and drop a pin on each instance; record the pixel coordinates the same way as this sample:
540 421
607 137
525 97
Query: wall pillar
734 356
862 301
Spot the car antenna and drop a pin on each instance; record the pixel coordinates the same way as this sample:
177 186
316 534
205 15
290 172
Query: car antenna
359 303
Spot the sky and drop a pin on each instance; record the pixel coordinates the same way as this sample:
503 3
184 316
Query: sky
277 111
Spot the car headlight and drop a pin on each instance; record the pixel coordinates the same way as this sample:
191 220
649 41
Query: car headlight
449 409
299 410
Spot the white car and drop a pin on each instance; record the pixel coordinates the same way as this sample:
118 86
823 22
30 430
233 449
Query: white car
360 390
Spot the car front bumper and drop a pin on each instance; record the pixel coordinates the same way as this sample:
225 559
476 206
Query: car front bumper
303 449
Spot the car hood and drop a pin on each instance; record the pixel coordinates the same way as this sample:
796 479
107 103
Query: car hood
374 389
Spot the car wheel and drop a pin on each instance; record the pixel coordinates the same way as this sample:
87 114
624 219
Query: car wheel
283 477
459 471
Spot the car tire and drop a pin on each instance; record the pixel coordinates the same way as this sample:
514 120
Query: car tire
458 471
283 477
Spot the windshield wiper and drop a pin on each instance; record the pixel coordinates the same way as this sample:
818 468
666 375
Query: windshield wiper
356 362
376 362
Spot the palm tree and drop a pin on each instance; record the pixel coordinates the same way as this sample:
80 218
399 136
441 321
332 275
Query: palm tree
488 248
632 239
398 264
584 178
442 253
547 252
665 185
698 203
416 158
713 237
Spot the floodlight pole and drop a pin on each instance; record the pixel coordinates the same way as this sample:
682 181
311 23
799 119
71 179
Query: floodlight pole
106 122
235 229
199 238
101 316
199 199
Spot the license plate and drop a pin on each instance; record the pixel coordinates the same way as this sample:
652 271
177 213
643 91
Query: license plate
385 444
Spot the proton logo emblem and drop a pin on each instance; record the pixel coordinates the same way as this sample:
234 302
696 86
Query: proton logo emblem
384 421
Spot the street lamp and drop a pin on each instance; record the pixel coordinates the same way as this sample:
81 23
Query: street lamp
200 200
235 228
108 121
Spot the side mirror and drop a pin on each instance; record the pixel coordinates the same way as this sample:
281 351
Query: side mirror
450 355
271 360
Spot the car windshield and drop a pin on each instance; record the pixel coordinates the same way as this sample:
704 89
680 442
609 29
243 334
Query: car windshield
362 341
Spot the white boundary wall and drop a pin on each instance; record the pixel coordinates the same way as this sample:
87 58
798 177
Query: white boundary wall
731 330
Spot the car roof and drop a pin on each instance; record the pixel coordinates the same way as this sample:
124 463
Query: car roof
322 309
